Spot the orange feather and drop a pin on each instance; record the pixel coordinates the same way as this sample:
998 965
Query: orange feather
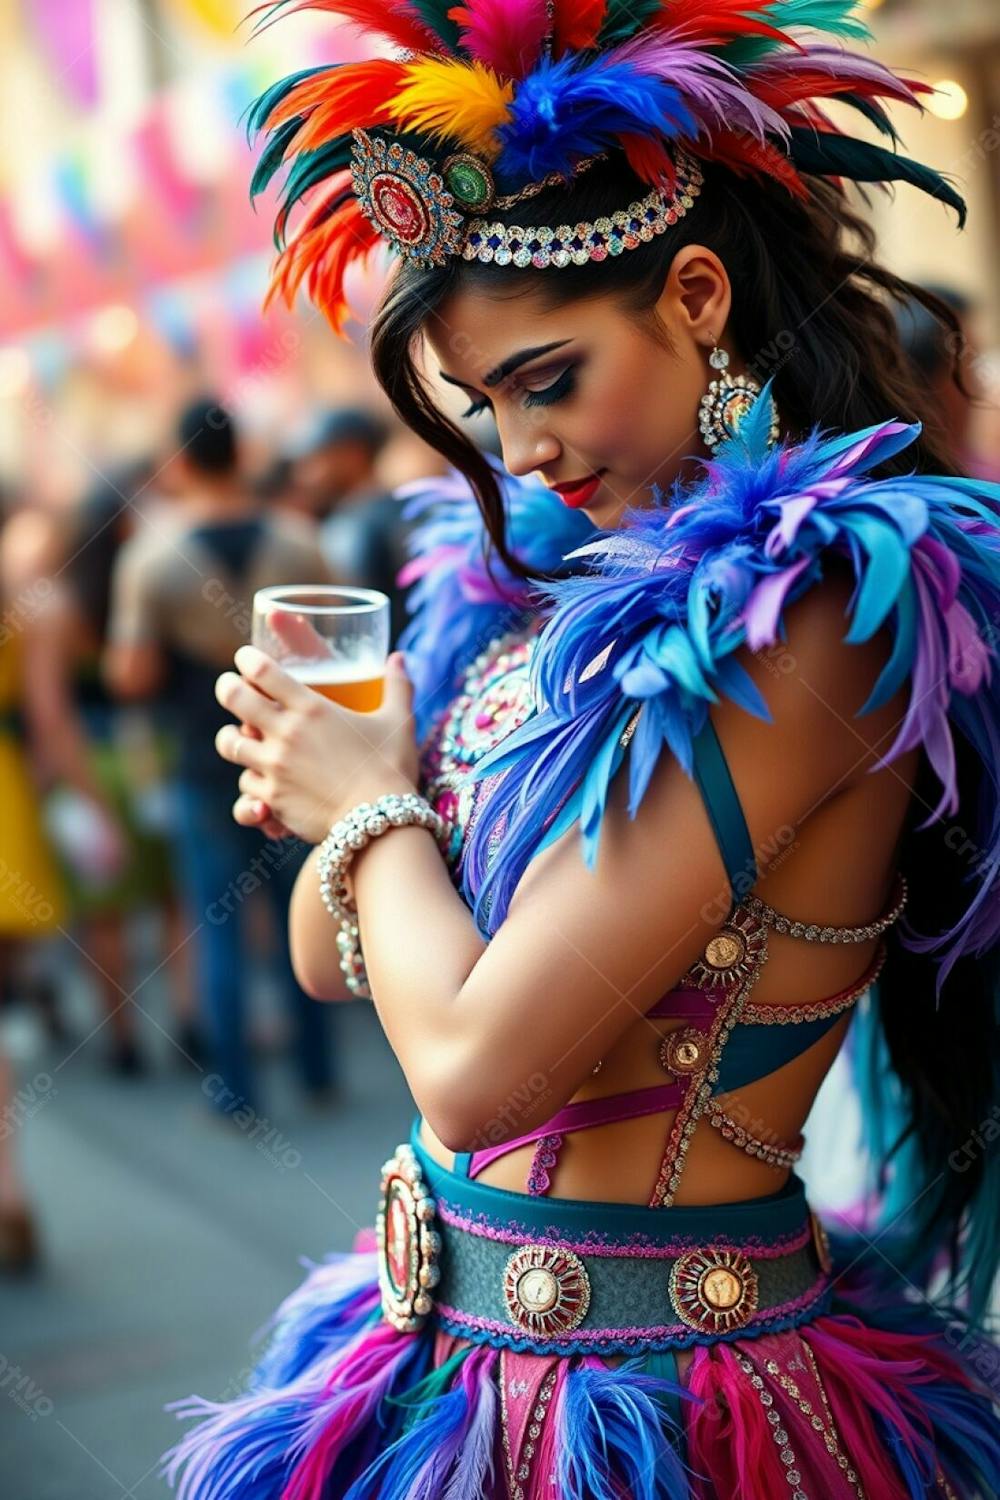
337 100
319 256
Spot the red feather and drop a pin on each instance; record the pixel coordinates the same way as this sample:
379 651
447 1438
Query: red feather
338 100
751 158
717 22
325 246
650 160
396 22
577 24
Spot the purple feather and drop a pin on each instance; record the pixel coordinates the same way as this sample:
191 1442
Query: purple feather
711 89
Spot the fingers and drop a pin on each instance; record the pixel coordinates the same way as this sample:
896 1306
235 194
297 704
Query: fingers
265 674
239 748
245 702
250 812
296 633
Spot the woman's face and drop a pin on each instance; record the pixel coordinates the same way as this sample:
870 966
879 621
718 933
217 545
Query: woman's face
592 393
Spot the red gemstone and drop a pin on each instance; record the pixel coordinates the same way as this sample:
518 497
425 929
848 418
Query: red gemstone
399 208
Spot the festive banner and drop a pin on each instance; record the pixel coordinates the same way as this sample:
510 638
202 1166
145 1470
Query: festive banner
66 30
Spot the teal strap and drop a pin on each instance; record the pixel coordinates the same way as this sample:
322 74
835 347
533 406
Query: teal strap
725 813
662 1363
462 1161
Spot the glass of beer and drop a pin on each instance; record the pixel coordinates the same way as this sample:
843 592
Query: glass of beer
333 639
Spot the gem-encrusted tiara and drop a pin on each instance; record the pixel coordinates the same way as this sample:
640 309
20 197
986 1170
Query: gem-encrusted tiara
569 244
413 204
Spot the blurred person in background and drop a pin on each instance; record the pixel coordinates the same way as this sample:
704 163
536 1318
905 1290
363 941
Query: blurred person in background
934 351
130 761
41 745
182 595
336 479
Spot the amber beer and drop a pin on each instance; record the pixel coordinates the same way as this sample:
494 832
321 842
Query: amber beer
332 638
354 686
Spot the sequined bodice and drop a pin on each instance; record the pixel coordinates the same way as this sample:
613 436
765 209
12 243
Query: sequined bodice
494 699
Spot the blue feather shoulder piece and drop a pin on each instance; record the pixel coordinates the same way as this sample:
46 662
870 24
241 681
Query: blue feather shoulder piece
459 601
654 622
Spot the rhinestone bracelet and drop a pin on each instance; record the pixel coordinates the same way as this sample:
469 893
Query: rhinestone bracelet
356 829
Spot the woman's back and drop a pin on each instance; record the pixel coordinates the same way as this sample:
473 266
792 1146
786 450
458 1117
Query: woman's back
835 869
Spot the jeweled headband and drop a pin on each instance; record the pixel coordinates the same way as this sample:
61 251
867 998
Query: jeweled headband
483 105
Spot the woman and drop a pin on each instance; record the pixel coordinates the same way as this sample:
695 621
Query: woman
748 678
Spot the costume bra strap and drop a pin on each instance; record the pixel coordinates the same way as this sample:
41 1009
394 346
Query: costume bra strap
711 771
579 1116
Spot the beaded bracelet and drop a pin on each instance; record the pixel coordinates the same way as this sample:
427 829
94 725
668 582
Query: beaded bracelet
356 829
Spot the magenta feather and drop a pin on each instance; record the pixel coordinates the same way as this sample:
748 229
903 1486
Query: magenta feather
505 35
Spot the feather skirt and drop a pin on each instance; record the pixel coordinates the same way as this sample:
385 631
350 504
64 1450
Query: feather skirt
874 1399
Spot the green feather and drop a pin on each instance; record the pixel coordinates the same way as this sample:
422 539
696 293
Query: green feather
831 16
624 18
872 111
273 156
829 155
434 14
258 111
308 170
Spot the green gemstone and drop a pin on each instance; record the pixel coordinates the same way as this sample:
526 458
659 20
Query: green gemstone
467 184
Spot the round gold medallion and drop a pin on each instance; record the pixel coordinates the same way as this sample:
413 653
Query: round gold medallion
684 1052
731 954
714 1290
408 1244
546 1290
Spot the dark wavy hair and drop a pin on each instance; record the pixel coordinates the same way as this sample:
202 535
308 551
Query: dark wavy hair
806 269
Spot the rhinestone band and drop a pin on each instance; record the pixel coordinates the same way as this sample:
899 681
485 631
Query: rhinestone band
362 824
568 244
813 933
516 1479
827 1429
778 1433
732 1130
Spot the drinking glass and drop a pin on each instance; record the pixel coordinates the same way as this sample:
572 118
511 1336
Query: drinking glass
333 639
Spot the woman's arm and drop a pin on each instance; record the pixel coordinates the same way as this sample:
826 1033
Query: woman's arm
495 1038
416 866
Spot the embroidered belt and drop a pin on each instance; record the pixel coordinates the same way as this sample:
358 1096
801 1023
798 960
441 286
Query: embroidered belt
564 1276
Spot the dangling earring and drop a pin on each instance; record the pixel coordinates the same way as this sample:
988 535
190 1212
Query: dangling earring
727 401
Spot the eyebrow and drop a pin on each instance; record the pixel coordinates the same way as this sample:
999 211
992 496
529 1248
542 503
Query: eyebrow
509 365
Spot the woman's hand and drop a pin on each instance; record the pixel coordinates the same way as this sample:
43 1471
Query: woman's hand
307 761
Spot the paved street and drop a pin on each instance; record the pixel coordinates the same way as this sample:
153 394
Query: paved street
169 1238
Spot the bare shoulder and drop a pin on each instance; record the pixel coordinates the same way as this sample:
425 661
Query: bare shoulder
815 683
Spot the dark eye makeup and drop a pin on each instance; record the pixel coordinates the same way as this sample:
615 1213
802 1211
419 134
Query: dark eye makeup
559 390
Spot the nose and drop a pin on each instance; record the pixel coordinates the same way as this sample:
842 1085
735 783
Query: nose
526 445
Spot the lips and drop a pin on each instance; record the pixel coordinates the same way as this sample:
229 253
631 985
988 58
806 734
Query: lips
580 491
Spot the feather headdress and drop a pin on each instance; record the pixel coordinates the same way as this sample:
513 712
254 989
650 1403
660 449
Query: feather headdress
485 99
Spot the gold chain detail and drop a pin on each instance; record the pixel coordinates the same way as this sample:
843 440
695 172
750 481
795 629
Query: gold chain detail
699 1090
815 932
779 1155
828 1430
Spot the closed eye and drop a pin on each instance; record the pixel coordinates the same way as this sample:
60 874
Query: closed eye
559 389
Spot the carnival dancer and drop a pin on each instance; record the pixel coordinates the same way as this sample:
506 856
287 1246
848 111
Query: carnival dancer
693 761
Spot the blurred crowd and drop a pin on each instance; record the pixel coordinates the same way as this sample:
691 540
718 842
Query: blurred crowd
118 613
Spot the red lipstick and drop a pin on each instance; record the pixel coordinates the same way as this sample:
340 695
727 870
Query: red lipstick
579 491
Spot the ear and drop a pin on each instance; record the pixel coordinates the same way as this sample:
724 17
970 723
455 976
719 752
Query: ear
697 294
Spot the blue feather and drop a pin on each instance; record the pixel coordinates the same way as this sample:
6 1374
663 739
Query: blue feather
570 108
619 1436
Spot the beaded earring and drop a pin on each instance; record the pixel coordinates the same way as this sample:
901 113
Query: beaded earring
727 401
